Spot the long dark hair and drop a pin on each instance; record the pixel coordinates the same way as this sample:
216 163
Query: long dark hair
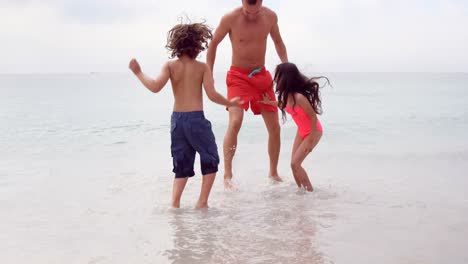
289 81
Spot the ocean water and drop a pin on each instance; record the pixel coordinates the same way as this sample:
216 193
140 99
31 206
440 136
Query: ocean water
85 176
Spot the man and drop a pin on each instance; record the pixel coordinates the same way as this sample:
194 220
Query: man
248 27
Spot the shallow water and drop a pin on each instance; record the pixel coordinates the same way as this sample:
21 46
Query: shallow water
85 177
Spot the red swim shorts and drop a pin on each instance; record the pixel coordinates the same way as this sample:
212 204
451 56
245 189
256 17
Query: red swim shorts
250 87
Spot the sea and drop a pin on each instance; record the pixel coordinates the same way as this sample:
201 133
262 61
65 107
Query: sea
86 176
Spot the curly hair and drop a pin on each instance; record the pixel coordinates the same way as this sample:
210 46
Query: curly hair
188 39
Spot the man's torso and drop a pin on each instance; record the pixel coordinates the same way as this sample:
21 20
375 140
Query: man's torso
249 38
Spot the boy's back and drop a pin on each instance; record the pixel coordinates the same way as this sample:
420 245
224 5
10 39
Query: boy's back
186 76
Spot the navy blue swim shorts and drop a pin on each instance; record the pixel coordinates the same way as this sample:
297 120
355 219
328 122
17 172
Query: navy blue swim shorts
191 133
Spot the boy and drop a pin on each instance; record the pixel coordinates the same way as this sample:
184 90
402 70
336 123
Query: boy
190 131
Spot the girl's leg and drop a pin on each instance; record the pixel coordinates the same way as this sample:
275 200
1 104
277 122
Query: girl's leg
207 183
297 142
177 189
301 153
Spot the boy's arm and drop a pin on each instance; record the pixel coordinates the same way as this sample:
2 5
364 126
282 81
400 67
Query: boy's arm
213 95
279 44
220 33
154 85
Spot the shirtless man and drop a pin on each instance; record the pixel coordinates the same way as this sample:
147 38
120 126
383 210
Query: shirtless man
248 27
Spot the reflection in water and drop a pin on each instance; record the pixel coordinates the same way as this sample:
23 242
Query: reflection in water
276 225
194 236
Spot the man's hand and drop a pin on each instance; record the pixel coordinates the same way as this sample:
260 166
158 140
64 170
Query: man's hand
134 66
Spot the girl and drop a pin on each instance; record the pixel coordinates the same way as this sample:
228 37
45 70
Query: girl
299 96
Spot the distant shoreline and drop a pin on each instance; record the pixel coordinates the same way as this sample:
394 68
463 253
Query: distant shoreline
217 73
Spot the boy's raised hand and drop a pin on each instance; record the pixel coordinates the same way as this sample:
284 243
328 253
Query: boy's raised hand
134 66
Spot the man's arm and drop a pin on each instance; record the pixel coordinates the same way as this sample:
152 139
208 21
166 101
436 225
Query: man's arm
279 44
220 33
154 85
213 95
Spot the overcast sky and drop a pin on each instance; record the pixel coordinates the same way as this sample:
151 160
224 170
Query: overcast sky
330 35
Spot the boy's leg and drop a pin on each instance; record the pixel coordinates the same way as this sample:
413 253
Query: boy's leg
274 142
177 189
297 159
183 167
203 141
207 183
183 156
236 115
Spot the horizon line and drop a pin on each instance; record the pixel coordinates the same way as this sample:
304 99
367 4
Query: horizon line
121 72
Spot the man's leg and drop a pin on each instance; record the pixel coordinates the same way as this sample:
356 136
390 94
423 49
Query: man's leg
274 142
236 115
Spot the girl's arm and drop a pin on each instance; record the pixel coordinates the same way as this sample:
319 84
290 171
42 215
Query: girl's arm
154 85
267 100
302 102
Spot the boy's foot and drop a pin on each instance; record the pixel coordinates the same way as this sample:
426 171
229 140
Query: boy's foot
201 205
175 205
229 185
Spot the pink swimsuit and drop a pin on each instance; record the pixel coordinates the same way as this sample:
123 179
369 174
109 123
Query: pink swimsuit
302 121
